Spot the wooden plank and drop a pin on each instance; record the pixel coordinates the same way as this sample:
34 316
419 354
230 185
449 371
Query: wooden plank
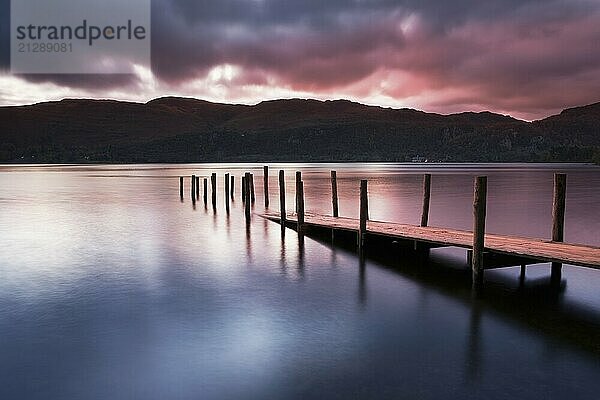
539 249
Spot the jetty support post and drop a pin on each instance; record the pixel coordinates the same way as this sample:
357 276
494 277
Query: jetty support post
244 188
298 180
266 184
247 195
334 194
232 188
197 188
251 182
282 211
213 182
181 187
227 192
426 199
558 221
300 209
205 191
479 213
193 187
364 216
420 247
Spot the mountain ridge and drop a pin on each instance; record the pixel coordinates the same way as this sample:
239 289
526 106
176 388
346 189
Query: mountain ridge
181 129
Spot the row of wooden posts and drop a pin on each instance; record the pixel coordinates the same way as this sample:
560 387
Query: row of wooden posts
479 209
247 188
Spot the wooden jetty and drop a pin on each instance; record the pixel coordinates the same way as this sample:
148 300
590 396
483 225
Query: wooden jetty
537 250
484 250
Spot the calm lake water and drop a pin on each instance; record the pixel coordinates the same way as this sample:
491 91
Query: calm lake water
112 288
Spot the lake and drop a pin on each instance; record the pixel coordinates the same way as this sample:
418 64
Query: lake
111 287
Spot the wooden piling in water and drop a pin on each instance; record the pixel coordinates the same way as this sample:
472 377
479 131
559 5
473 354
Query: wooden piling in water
181 187
243 188
197 188
247 195
479 213
205 191
266 184
213 182
251 184
298 180
282 199
334 194
193 187
426 199
300 208
227 192
232 187
364 215
558 220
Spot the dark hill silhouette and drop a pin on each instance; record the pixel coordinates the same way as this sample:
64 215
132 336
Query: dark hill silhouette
174 129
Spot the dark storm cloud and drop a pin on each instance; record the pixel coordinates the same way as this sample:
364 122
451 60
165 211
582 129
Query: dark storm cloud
471 53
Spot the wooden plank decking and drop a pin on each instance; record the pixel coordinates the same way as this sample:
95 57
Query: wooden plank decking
538 249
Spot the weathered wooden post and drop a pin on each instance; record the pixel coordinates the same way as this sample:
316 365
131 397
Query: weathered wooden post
244 188
301 208
227 192
298 180
193 187
247 195
252 198
282 211
197 188
479 213
232 187
558 220
364 215
266 184
334 194
213 182
181 187
205 191
426 198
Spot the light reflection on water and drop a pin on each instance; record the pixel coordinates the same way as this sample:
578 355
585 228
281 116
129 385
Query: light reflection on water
112 288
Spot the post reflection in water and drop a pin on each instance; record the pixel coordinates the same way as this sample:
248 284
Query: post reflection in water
301 260
283 259
362 281
473 359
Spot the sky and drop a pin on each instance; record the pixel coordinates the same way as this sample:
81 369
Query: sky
526 58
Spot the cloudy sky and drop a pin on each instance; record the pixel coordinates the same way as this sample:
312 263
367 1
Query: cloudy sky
527 58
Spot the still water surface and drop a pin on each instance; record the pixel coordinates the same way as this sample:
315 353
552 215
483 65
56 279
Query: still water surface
112 288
